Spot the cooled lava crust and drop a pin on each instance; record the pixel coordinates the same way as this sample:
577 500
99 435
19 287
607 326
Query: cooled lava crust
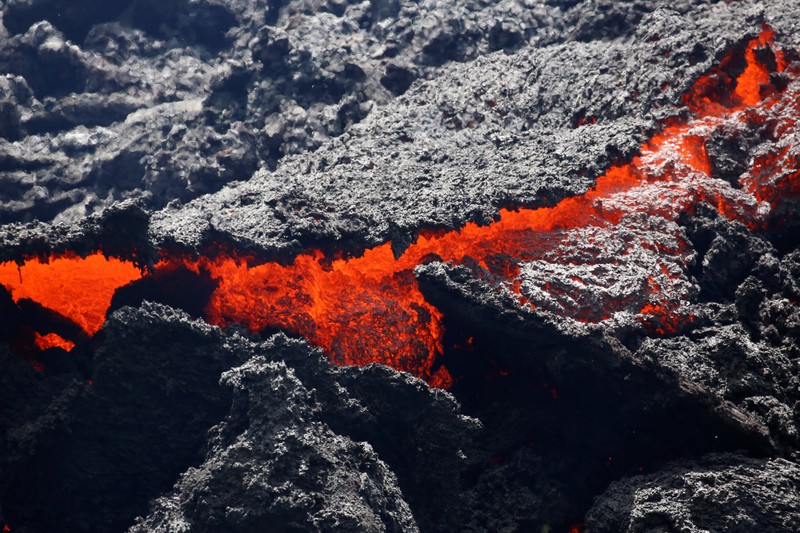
399 266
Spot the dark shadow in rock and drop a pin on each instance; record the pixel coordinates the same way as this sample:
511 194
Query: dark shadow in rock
558 394
175 286
398 78
106 449
15 331
74 19
726 253
784 228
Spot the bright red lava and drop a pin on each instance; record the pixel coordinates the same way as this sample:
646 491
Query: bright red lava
615 250
52 340
80 288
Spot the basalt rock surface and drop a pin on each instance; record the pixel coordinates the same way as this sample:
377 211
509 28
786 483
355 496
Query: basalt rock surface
271 127
718 493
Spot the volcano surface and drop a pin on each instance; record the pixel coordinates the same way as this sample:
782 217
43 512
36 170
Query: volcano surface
392 266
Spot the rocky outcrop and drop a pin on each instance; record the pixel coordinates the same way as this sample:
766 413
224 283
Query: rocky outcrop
281 466
719 493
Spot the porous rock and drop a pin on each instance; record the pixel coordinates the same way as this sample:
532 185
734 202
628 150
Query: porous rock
722 493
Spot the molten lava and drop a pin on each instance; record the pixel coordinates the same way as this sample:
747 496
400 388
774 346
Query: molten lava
52 340
617 249
78 288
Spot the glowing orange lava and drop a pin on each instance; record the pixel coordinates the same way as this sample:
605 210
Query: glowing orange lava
78 288
721 91
615 250
52 340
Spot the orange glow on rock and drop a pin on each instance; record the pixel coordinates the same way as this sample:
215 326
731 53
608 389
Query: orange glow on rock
52 340
756 74
370 309
617 249
720 92
78 288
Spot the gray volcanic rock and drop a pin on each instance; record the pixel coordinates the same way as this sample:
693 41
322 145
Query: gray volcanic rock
225 88
721 493
273 462
500 130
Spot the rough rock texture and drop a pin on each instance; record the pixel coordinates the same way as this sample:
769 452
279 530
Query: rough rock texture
128 429
317 447
275 463
722 493
179 98
269 127
496 131
167 101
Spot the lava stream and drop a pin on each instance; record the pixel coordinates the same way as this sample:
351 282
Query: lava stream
615 249
80 288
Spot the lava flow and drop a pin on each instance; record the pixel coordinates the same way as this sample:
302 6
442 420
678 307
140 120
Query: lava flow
617 249
79 288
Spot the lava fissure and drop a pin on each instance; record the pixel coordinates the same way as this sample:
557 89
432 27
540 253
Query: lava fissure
617 250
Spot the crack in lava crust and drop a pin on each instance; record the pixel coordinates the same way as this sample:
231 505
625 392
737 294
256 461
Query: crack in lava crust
616 249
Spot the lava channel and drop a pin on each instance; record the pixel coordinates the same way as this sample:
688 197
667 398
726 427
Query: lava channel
617 249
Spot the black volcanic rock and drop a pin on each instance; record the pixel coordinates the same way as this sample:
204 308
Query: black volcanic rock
121 230
284 469
766 300
727 254
126 433
753 378
723 493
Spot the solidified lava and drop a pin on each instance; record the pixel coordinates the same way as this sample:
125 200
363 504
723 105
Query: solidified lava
369 309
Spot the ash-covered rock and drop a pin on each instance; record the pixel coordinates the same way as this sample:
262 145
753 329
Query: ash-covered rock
222 88
497 131
723 493
568 382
